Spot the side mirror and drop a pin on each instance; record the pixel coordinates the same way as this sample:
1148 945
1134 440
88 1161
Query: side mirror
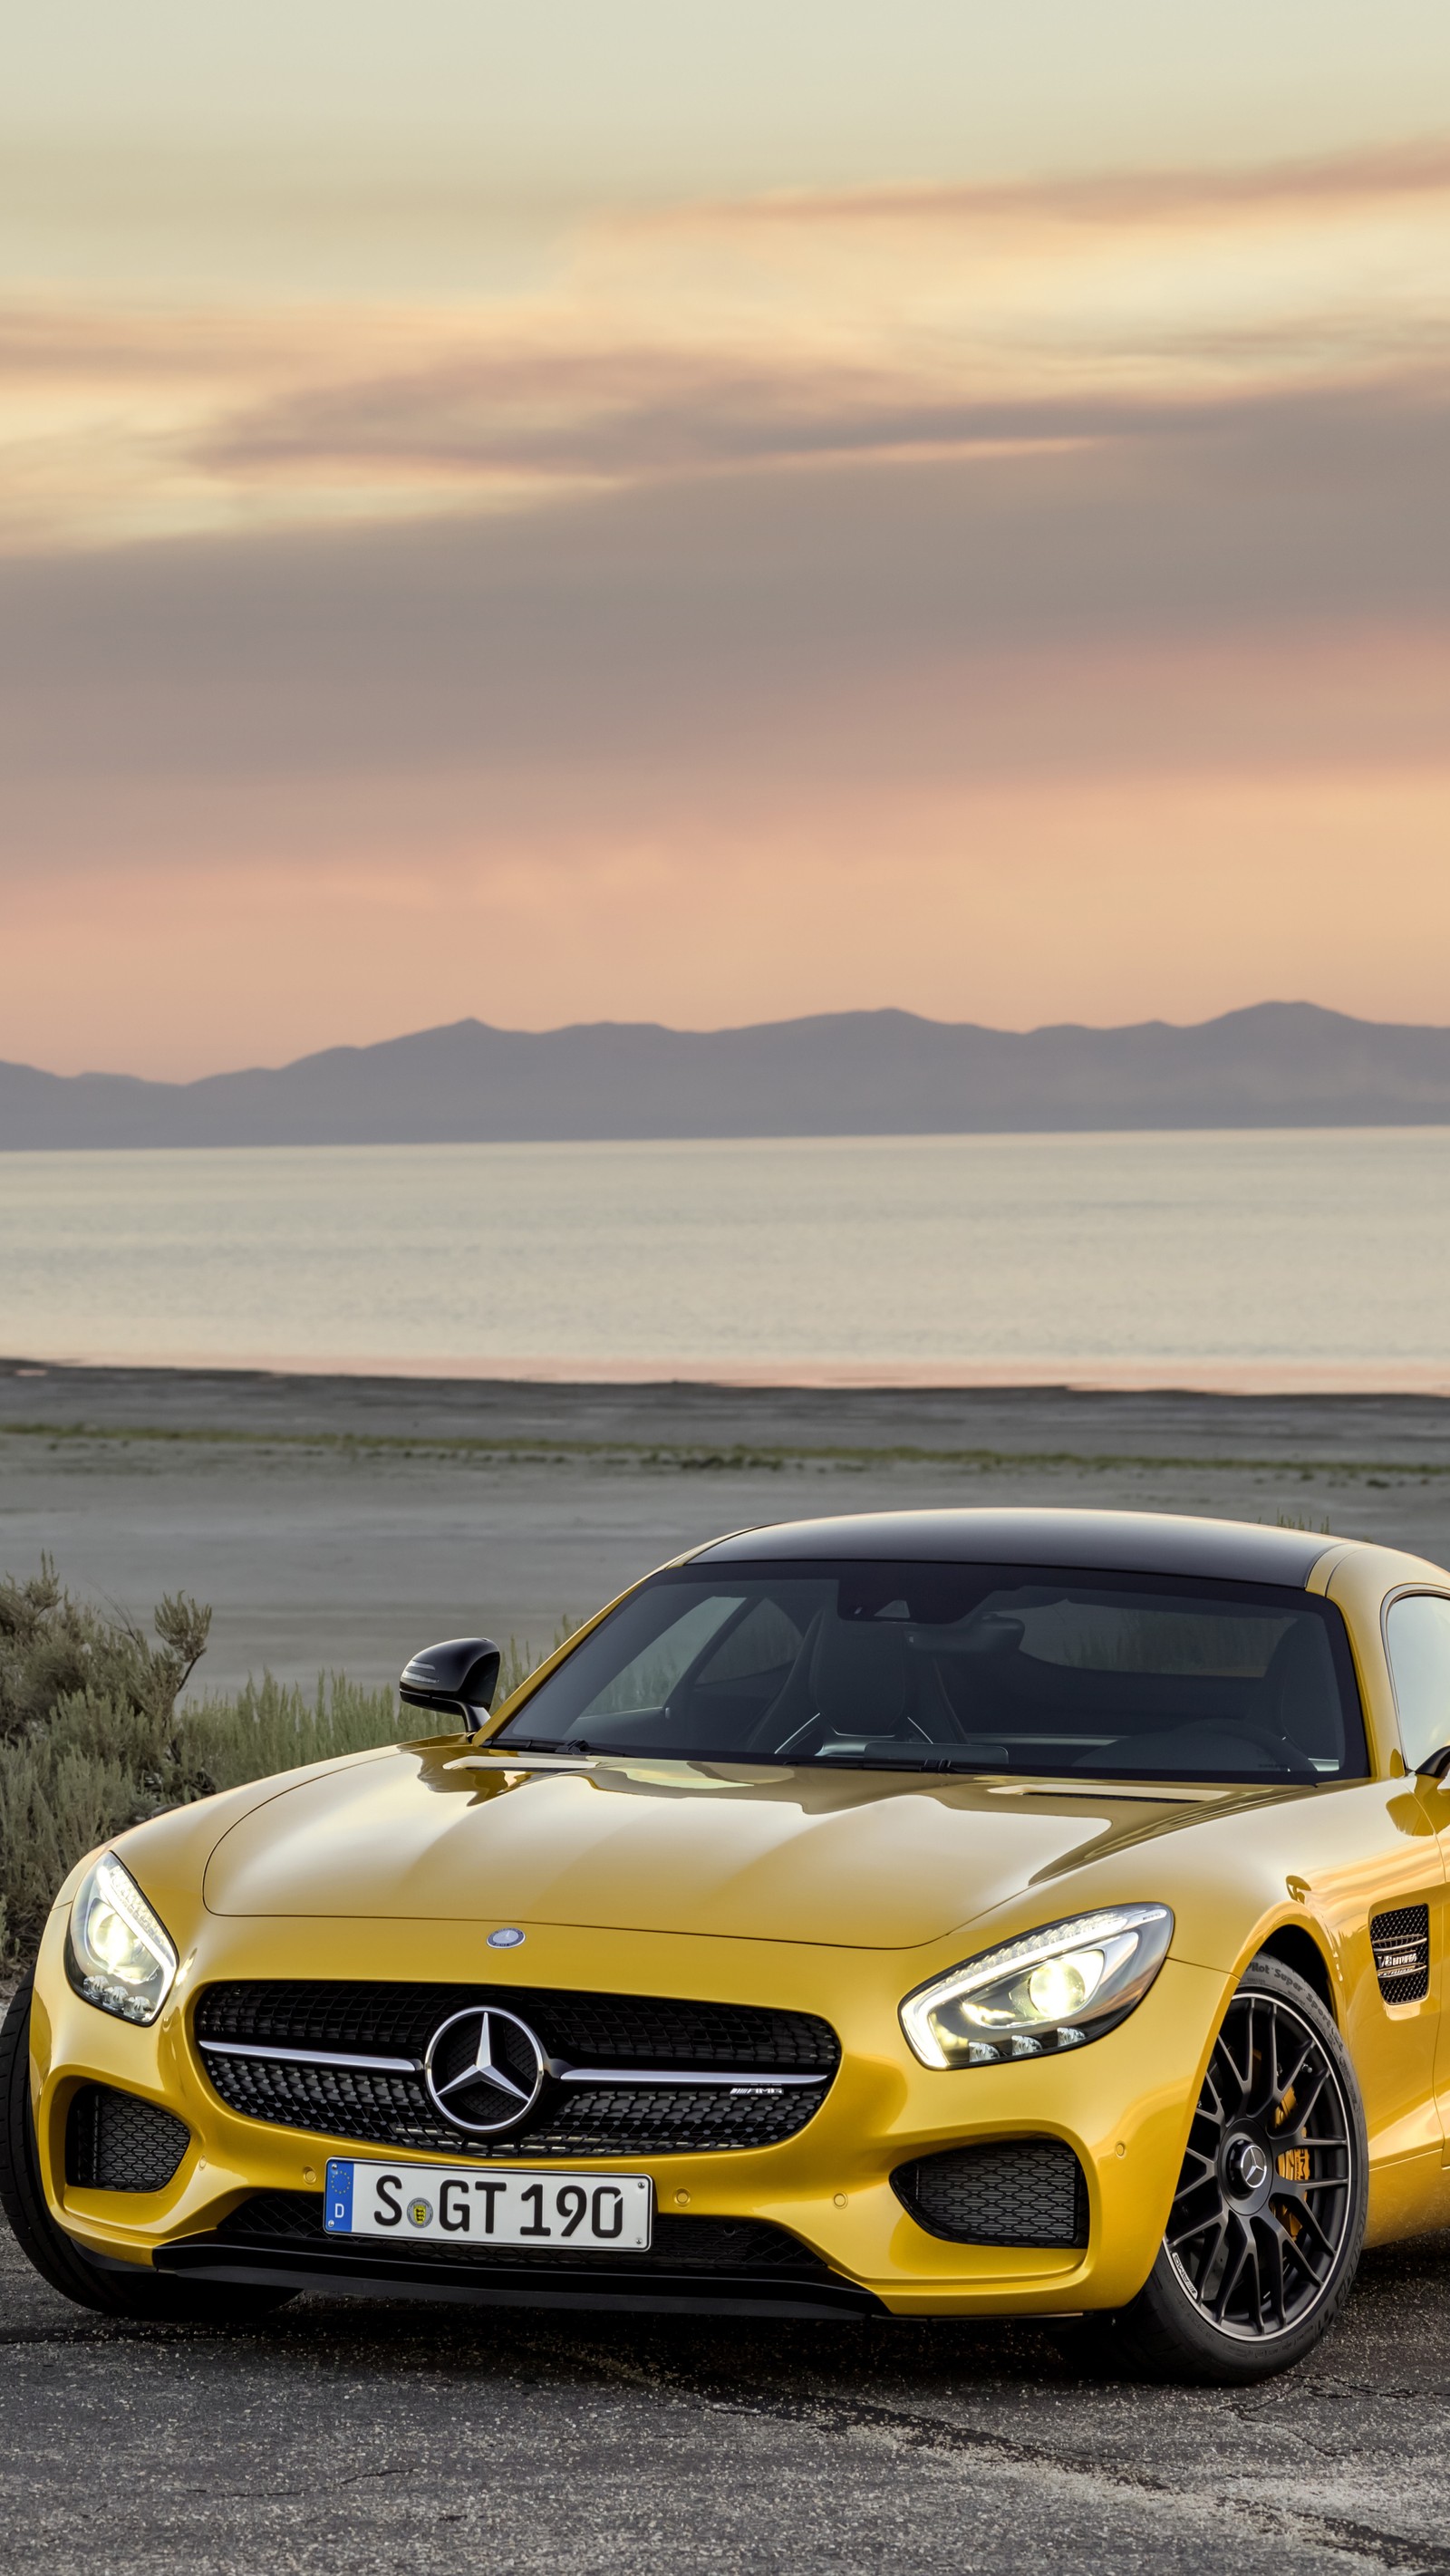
456 1679
1435 1766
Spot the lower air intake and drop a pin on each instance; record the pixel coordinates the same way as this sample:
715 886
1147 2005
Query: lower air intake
1017 2191
114 2142
1401 1945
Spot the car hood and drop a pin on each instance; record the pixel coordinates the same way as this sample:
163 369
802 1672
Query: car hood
851 1859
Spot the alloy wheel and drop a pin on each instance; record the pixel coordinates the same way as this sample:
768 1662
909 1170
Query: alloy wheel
1265 2198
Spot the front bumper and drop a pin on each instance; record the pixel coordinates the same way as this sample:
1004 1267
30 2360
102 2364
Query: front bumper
1122 2105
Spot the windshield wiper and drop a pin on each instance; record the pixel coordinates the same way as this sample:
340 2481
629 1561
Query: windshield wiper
779 1760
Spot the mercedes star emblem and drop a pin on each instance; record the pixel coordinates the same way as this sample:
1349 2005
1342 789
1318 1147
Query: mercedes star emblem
484 2070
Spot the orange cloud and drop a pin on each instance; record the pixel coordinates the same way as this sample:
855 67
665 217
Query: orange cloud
1418 169
872 322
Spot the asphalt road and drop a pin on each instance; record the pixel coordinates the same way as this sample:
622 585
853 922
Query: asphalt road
353 2436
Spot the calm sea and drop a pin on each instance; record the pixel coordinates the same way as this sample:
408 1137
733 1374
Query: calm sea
1282 1258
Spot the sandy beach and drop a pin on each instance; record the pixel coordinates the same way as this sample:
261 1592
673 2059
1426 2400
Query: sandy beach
341 1521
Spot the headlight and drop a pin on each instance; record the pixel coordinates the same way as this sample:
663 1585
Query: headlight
1054 1989
118 1954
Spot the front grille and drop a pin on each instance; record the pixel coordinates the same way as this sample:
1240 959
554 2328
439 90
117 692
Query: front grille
782 2064
701 2245
1017 2191
590 2030
1401 1945
115 2142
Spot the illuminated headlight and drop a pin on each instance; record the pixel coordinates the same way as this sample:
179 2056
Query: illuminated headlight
119 1955
1052 1990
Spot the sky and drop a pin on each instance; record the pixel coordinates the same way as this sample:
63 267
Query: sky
707 514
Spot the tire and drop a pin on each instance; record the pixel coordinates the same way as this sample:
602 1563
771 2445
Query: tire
139 2292
1256 2264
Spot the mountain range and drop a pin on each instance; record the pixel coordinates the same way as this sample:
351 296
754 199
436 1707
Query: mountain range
846 1073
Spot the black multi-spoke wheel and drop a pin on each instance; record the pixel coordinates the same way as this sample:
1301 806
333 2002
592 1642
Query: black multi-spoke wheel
1267 2221
1264 2201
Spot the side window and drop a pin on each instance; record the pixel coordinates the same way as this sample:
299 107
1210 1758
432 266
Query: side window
1417 1639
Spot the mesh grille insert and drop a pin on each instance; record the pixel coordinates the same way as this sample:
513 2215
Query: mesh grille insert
294 2218
1401 1944
1017 2191
114 2142
588 2030
584 2030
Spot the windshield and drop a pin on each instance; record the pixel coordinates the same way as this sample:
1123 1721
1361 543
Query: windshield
966 1667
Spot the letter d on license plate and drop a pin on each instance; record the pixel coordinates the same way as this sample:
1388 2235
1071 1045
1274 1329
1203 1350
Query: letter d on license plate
605 2213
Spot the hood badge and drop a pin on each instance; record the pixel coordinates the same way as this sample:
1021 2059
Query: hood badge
507 1937
484 2070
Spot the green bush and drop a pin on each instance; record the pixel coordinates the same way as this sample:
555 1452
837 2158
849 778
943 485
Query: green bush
92 1738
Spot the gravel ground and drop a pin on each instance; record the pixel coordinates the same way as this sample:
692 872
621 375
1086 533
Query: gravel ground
344 1522
355 2436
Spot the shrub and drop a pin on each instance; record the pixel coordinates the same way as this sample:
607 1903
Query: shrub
92 1739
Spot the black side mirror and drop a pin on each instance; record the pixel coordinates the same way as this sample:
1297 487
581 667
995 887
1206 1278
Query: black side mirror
456 1679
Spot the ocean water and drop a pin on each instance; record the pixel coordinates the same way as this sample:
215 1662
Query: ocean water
1281 1258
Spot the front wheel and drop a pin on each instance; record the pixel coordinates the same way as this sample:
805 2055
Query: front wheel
1264 2236
138 2292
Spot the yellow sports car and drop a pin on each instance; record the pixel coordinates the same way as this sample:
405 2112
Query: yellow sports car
952 1914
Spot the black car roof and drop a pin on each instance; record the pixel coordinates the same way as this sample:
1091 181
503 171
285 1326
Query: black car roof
1119 1542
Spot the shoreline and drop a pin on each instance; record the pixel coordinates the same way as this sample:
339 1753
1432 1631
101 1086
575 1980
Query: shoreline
932 1416
1035 1376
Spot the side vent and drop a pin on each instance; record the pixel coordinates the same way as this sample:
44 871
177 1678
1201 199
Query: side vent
1017 2191
1401 1945
116 2142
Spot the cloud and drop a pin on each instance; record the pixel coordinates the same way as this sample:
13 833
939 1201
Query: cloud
707 338
883 614
616 416
49 342
624 414
1416 169
897 321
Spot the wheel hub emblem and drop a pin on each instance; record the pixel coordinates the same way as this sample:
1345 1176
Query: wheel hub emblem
484 2070
1248 2166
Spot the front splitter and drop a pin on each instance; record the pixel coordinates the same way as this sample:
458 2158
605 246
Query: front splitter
368 2275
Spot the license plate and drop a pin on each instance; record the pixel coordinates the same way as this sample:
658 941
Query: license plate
603 2213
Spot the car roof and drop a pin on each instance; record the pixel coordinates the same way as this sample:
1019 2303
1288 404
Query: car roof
1118 1542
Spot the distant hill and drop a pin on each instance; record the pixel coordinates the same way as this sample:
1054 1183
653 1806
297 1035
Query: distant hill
850 1073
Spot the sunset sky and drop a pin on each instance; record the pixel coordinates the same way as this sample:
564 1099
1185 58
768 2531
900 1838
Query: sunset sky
711 513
